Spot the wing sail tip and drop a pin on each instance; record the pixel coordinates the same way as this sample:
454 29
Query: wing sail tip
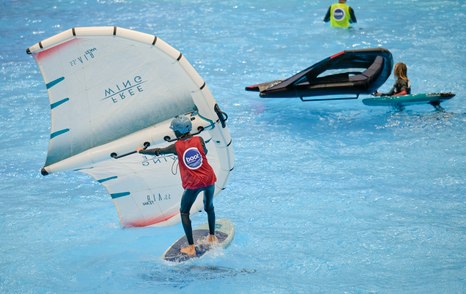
44 172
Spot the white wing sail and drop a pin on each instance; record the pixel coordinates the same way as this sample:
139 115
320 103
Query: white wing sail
112 90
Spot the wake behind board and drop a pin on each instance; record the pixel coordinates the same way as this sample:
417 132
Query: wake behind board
224 230
400 101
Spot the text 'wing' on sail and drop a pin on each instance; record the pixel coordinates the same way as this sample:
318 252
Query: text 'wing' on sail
112 90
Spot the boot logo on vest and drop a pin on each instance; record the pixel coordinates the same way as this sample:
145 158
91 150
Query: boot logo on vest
338 14
192 158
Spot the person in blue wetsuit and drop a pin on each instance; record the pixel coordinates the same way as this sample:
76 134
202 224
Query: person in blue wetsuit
402 85
340 15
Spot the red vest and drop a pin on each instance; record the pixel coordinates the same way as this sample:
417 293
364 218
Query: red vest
195 171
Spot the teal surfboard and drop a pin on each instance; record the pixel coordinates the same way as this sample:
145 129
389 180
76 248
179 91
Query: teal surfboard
224 230
401 101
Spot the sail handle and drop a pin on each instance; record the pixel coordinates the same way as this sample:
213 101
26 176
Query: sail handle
116 156
222 116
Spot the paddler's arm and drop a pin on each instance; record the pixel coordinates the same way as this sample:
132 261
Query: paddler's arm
158 151
327 15
352 16
390 93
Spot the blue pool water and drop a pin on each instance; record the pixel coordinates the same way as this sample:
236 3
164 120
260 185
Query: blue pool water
327 197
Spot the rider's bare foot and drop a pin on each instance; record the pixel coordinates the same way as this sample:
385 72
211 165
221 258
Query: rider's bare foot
189 250
212 239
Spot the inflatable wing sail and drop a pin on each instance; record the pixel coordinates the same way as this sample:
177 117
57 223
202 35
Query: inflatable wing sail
349 72
112 90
